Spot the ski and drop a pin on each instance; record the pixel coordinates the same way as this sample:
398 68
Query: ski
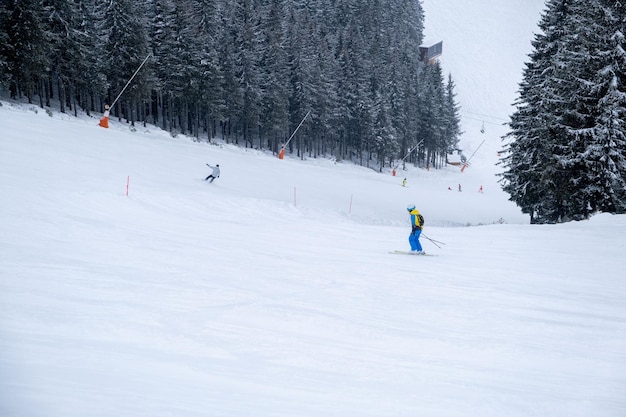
403 252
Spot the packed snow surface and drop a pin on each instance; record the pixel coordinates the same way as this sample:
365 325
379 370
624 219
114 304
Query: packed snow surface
272 292
131 287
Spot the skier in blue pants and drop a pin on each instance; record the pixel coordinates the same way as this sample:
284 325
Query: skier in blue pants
417 222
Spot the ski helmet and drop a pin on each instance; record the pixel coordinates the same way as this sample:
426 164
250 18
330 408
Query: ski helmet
411 207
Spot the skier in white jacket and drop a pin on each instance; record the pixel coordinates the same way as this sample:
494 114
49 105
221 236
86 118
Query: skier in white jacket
215 173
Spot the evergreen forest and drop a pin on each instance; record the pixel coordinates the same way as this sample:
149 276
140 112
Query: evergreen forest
567 144
243 71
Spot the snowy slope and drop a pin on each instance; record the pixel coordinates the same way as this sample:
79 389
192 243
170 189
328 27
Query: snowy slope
271 292
235 299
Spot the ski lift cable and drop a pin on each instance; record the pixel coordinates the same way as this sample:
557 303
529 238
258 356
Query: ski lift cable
484 121
484 115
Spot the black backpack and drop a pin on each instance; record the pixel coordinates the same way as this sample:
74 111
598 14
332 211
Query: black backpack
420 219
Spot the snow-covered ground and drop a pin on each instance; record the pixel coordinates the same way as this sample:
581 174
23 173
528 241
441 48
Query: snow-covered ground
272 292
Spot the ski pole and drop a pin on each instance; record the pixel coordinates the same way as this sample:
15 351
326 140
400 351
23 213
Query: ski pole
129 81
435 242
432 239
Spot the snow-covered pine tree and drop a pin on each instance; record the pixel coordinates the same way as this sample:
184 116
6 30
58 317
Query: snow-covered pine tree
604 155
240 56
252 68
91 85
26 56
432 115
274 117
176 44
404 23
530 176
71 36
324 69
568 150
379 142
191 40
302 51
248 72
584 172
384 141
571 108
124 47
205 17
4 43
231 87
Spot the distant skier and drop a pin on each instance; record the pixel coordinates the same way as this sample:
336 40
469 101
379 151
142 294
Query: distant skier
404 182
215 173
417 222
